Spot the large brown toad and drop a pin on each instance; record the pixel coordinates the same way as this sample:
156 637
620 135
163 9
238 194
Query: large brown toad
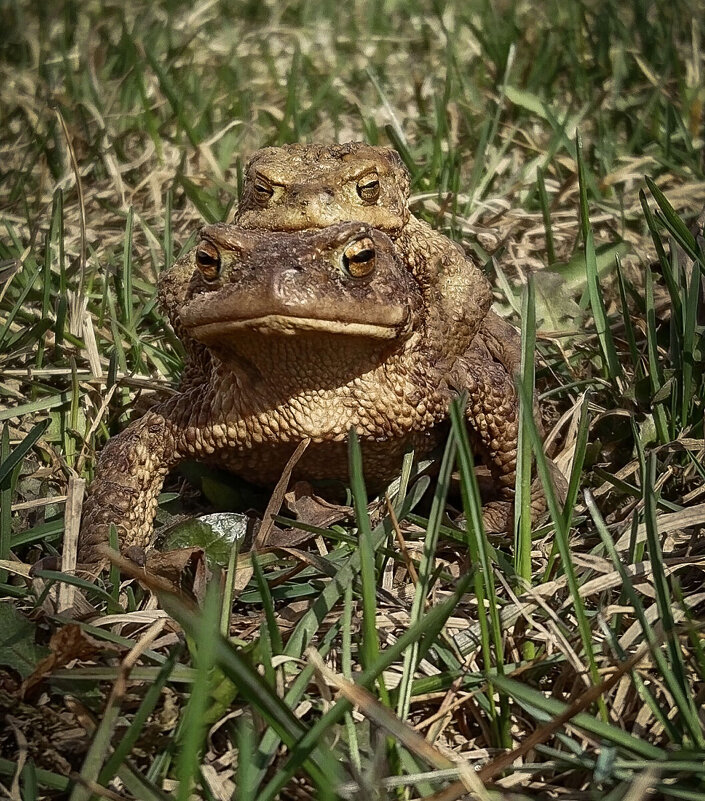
304 335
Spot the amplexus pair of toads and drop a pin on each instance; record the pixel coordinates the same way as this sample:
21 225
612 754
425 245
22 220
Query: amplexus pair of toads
325 306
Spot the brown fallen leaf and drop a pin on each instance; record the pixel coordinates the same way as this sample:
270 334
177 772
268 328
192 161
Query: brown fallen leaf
261 539
288 537
308 508
68 643
181 571
45 563
313 510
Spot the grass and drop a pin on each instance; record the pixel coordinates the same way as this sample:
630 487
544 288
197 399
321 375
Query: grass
392 654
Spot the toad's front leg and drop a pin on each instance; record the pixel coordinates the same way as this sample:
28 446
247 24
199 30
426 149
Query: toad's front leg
128 478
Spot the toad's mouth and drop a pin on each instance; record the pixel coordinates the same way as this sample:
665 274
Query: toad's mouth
289 326
234 318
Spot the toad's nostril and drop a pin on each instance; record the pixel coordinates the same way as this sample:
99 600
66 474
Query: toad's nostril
286 286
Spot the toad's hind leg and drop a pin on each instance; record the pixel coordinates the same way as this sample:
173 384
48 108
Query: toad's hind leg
486 372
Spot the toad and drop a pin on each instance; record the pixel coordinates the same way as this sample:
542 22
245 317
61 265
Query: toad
303 335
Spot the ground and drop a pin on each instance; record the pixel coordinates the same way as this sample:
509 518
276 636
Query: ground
560 142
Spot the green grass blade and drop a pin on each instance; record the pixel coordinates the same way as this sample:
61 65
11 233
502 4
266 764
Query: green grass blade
562 532
347 670
576 471
637 606
322 765
483 574
546 214
89 587
675 225
655 371
689 355
686 703
130 737
246 779
30 784
609 354
664 261
39 405
425 573
275 637
522 512
626 317
370 644
364 679
193 732
6 499
534 701
17 306
45 778
9 463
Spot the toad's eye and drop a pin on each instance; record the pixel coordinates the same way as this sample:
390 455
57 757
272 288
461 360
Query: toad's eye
263 190
368 187
359 257
208 260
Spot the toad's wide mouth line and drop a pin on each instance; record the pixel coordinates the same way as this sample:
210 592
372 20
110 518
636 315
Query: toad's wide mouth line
286 325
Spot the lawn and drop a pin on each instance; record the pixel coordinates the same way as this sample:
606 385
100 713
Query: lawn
394 652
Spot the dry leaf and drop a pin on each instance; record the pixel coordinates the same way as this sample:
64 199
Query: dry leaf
68 643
